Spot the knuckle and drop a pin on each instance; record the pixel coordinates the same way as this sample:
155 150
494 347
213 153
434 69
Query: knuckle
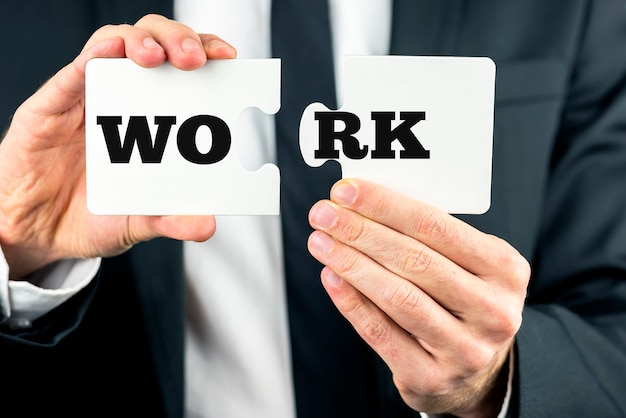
374 331
346 263
522 272
508 323
107 28
477 357
112 29
430 225
352 306
354 232
518 267
503 318
403 297
149 17
415 259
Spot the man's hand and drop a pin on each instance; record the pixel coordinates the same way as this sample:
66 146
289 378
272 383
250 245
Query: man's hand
43 214
438 300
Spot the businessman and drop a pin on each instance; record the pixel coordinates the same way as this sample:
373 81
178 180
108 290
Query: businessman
515 312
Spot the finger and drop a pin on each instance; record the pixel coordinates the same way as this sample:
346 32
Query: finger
183 47
217 48
154 39
405 355
422 370
479 253
361 244
138 44
409 306
448 284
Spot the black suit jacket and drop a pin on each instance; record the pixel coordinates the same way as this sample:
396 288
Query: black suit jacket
559 196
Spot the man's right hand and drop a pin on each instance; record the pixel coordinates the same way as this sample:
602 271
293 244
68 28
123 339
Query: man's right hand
43 212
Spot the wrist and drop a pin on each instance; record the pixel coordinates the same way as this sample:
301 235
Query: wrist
490 401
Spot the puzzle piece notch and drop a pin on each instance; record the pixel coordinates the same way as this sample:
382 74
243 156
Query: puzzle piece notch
222 89
422 126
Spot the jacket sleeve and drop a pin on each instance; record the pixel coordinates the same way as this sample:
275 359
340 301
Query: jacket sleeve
52 327
571 348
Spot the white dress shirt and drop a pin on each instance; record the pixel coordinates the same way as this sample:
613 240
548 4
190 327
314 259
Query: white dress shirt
237 342
238 358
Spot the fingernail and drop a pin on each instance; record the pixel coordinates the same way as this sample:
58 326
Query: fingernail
323 215
150 43
344 194
321 242
332 278
191 45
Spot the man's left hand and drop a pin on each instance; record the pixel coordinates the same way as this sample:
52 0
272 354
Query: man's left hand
437 299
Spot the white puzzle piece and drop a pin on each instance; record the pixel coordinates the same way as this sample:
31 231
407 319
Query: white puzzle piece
188 164
422 126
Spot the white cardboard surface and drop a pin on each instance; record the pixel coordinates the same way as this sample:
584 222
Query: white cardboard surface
457 96
223 89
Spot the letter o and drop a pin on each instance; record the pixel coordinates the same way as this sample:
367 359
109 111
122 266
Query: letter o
186 139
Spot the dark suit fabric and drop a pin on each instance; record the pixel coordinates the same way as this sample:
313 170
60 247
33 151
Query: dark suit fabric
559 197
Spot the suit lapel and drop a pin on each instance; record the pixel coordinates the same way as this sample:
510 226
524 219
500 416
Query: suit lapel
158 268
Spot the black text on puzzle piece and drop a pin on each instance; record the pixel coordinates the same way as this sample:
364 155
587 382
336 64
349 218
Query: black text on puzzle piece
151 149
384 136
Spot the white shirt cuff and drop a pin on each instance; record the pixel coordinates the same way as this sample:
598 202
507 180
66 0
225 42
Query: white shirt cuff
22 302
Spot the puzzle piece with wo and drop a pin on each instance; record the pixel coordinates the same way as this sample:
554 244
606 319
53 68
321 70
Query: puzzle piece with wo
163 141
422 126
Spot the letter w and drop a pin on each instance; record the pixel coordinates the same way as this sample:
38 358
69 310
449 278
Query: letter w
137 131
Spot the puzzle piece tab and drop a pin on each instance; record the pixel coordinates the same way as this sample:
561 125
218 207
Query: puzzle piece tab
163 141
422 126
